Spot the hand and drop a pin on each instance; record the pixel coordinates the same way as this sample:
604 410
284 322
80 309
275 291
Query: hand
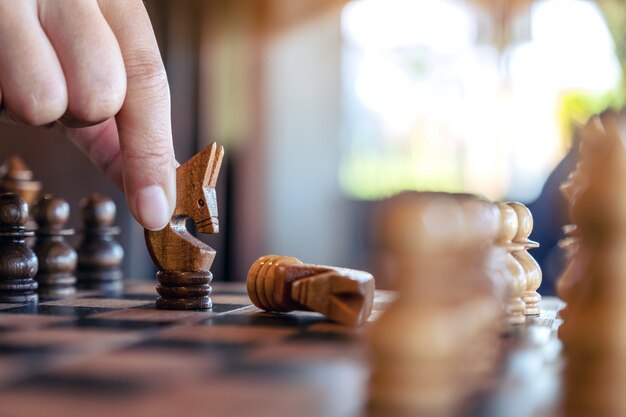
95 66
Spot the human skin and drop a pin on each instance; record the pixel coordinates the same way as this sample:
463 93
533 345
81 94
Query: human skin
93 66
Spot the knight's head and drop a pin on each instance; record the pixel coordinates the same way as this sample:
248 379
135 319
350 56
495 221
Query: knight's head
196 180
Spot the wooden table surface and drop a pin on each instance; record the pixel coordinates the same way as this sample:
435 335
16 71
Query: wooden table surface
97 355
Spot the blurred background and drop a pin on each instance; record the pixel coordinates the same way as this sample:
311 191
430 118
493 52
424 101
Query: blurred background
327 107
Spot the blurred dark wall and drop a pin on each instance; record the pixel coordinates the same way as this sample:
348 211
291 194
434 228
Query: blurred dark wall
216 54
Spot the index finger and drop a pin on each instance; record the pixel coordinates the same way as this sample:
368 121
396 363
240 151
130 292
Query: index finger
144 121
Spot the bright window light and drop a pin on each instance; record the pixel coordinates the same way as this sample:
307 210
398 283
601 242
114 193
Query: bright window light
430 106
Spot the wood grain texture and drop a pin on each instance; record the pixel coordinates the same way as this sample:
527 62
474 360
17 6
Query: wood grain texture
516 278
183 261
532 270
57 259
282 284
100 256
594 341
18 263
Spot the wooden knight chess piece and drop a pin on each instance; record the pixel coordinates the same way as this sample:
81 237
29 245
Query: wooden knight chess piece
18 263
593 329
282 284
532 270
57 259
100 256
183 261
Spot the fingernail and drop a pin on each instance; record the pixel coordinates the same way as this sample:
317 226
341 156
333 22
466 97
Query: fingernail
153 208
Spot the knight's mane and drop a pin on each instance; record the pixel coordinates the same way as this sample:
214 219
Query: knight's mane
206 164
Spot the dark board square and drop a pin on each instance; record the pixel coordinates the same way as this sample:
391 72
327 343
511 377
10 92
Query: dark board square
289 371
23 350
223 308
267 320
112 324
315 336
218 308
123 296
222 348
85 385
53 310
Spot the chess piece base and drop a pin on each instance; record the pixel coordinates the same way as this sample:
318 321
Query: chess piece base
56 284
184 290
18 291
531 299
19 298
108 280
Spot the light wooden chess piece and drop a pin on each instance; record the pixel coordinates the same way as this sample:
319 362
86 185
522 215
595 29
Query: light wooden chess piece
18 178
594 342
570 245
594 146
531 268
437 345
57 259
517 280
184 262
282 284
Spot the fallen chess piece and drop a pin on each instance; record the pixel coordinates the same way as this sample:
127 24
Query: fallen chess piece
283 284
184 262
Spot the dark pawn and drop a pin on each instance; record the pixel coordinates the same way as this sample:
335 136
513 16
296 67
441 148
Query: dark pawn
57 259
18 263
99 255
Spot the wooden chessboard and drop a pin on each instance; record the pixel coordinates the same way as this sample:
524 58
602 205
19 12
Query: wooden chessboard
97 355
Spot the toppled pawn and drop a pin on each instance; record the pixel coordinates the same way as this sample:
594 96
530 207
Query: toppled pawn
18 263
57 259
99 254
283 284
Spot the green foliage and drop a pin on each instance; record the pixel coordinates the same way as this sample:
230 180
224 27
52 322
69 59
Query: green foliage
576 107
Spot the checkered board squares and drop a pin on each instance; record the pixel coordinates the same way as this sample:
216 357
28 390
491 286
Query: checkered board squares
116 355
96 354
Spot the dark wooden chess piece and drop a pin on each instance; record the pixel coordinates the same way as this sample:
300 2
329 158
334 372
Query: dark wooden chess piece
57 259
99 254
18 263
184 262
